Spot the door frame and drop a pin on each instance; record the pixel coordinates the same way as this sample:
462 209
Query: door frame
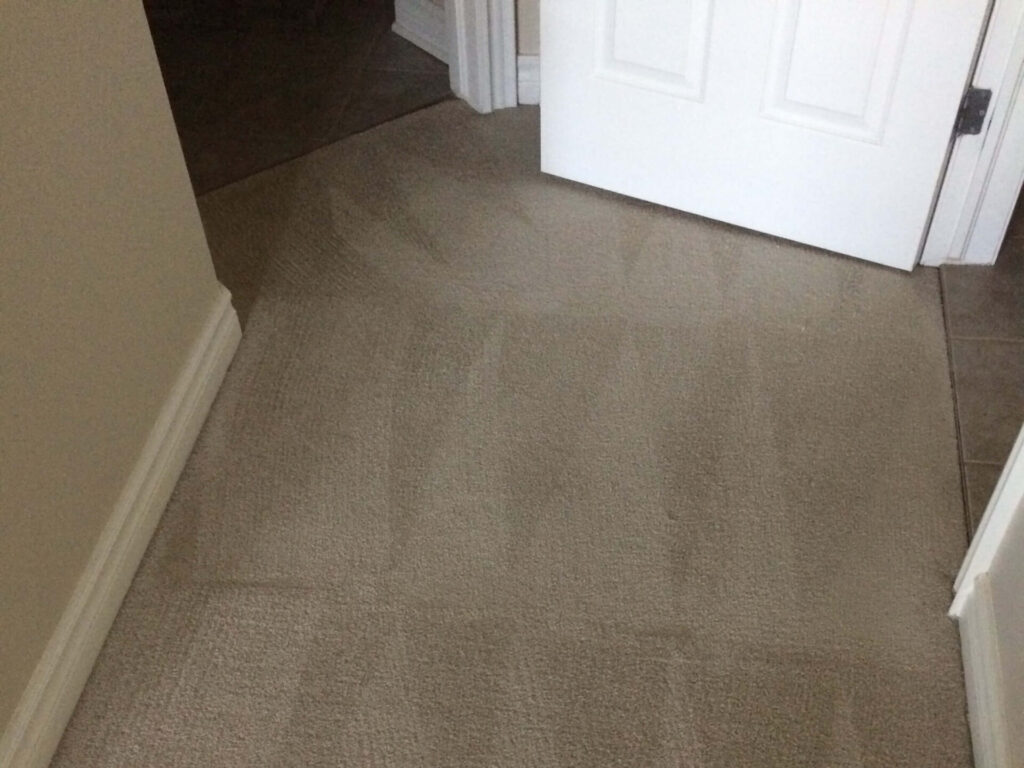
990 700
475 38
985 172
1005 504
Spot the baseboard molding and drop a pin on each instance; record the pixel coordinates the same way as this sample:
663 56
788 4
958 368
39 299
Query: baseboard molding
529 79
986 701
49 699
422 23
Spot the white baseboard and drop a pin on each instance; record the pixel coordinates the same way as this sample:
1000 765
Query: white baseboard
983 677
423 24
529 79
48 701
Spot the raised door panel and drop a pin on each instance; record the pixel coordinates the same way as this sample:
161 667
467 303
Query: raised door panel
834 64
659 45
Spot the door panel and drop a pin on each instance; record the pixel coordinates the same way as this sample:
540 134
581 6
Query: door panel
833 65
822 121
672 60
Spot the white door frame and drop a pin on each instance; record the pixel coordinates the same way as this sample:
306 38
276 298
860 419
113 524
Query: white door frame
993 697
476 38
1006 503
985 172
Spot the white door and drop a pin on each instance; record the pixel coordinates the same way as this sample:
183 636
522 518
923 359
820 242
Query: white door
822 121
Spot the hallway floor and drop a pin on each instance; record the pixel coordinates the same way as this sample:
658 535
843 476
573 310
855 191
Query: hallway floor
985 324
512 472
254 83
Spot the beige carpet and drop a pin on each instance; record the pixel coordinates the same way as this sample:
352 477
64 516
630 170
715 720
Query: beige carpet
512 472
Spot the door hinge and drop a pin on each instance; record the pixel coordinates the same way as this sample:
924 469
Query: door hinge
971 117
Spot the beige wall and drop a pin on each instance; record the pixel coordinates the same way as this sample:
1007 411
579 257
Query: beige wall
528 26
105 282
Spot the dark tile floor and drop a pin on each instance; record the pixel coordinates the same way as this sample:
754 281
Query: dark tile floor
253 83
985 321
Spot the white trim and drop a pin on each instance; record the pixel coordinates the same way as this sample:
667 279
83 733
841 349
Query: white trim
529 79
46 704
422 23
504 78
475 38
1002 187
973 608
983 178
983 679
1007 501
469 41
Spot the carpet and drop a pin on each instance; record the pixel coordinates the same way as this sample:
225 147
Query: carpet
509 471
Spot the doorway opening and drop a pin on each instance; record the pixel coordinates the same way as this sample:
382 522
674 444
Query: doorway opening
255 83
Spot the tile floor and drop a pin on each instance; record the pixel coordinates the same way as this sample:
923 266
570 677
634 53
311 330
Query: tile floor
254 83
985 323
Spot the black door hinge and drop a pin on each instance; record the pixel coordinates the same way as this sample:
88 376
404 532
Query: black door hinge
971 117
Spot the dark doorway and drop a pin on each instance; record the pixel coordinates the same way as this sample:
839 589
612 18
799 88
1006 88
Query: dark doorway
253 83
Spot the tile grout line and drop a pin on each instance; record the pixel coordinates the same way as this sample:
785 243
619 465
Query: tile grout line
968 525
361 78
